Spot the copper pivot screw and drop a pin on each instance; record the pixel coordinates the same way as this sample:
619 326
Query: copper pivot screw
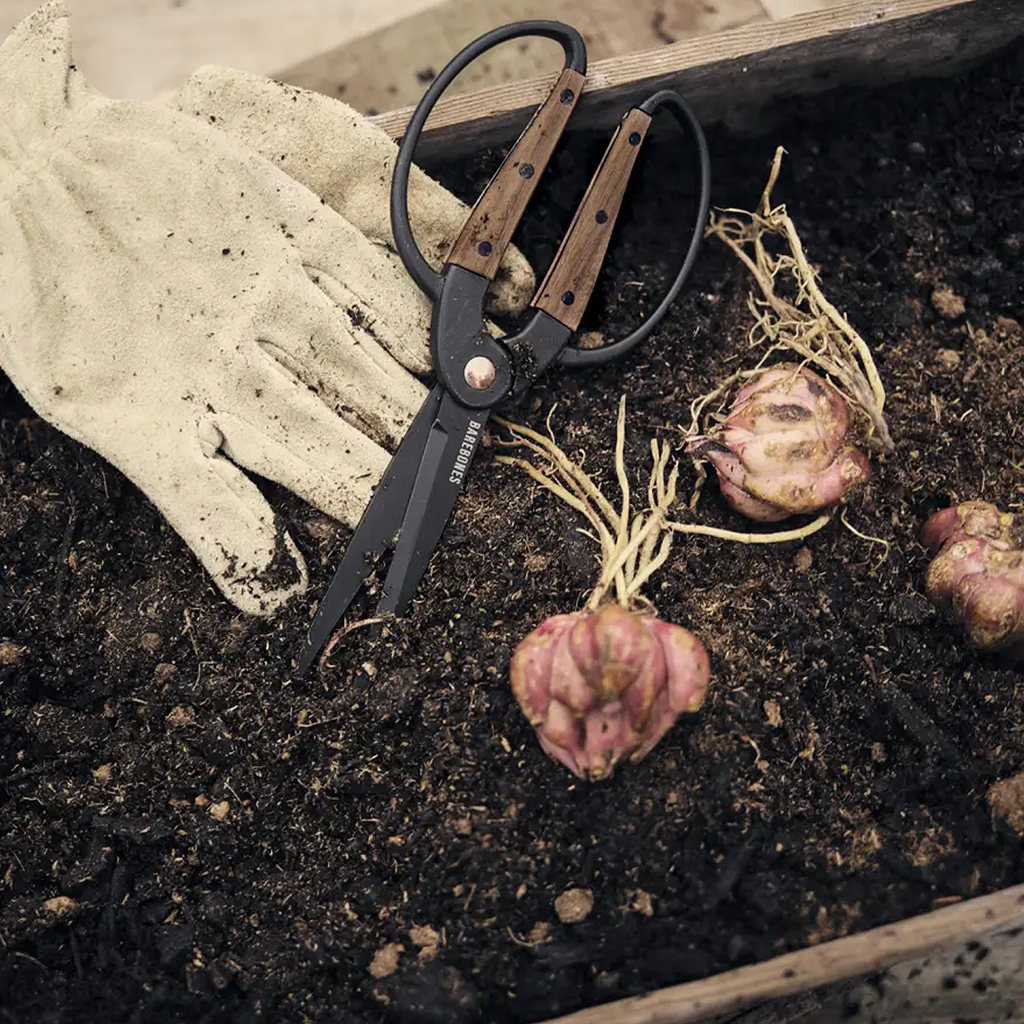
480 373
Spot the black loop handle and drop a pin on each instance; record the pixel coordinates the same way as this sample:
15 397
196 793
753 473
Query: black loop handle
575 58
577 357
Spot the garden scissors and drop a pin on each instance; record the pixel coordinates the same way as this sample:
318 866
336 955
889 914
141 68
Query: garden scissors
475 372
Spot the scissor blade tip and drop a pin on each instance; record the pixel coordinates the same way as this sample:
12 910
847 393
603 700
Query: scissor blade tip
305 661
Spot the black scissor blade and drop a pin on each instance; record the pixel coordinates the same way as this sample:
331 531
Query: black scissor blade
376 531
447 455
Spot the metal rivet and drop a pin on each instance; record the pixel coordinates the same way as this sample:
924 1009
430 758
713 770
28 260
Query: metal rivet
568 298
602 217
526 171
567 96
480 373
484 248
634 138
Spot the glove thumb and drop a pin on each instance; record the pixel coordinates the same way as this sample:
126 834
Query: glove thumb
39 84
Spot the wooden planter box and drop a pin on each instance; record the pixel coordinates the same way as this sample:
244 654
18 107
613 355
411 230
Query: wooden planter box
148 800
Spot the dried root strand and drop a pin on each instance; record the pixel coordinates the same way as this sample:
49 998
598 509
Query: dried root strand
634 546
881 541
808 324
777 537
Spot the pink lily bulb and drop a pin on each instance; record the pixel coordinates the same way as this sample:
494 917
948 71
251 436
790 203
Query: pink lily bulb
606 685
782 450
977 574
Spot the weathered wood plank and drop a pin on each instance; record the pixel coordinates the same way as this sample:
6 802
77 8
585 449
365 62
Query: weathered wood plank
387 69
988 985
830 962
730 75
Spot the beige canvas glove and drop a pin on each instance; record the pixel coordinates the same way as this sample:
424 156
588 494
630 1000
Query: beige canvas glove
177 302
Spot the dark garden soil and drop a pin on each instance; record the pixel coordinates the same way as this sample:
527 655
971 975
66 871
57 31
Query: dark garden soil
234 844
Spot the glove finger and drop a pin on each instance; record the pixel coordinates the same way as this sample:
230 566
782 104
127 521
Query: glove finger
369 287
222 516
375 305
292 438
345 159
308 339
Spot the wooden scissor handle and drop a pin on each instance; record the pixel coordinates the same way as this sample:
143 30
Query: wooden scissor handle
493 220
572 277
496 214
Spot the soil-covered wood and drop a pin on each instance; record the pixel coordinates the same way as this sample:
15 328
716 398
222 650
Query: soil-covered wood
187 832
